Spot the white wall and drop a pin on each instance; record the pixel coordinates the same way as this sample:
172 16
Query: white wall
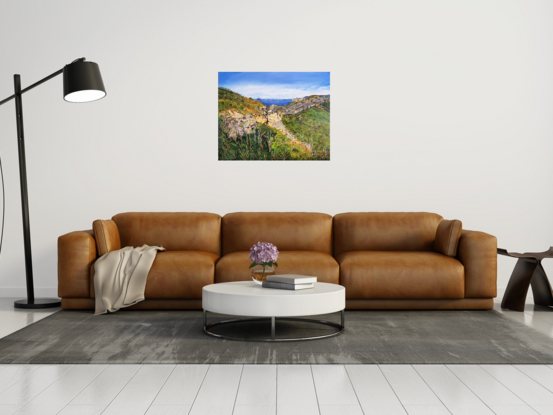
441 106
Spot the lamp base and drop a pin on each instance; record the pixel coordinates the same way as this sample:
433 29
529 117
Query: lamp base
38 303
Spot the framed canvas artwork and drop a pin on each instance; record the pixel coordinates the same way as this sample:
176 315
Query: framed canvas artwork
274 116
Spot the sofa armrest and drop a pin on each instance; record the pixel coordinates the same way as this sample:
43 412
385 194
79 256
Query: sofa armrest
477 252
76 253
107 237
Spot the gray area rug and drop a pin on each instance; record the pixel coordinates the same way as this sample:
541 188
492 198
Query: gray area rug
370 337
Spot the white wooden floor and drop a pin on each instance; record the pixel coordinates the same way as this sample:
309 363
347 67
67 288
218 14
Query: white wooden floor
275 389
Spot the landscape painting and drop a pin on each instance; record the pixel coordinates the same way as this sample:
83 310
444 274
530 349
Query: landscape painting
274 116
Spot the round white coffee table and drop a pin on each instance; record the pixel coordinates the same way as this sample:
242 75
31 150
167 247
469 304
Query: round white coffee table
245 298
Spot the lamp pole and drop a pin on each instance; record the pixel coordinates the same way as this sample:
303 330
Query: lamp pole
24 193
82 83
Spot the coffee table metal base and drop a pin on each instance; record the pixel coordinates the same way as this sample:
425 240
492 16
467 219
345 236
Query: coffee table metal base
339 328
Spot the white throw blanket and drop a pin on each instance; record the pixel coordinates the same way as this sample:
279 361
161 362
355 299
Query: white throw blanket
120 277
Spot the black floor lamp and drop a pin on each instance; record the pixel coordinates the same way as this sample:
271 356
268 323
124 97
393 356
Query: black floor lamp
82 82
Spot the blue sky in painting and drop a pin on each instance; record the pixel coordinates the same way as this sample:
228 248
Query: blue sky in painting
276 85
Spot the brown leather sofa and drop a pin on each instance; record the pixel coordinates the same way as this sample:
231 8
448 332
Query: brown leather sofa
385 260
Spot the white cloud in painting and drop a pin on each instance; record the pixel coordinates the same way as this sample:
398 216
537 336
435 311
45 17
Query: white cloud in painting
277 91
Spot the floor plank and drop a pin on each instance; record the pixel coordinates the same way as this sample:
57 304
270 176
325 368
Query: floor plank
103 389
30 386
528 390
9 409
453 393
257 386
539 373
14 373
341 410
182 386
543 410
485 386
541 312
257 390
514 410
427 410
375 394
254 410
409 387
296 391
82 410
137 395
333 386
218 392
62 391
169 410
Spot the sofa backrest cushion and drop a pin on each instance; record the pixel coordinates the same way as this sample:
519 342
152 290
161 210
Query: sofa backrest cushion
289 231
106 235
447 237
385 231
182 231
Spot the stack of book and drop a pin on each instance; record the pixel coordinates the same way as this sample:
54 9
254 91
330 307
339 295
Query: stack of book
289 282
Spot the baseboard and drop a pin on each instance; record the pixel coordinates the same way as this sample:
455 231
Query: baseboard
49 292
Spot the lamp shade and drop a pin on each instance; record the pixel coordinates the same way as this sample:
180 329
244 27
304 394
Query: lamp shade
82 82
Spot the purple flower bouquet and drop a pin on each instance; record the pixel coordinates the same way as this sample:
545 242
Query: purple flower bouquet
264 254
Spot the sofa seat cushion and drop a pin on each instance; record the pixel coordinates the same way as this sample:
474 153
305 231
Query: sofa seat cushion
177 274
234 266
401 275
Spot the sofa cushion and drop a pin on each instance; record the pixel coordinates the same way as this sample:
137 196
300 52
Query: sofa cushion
234 266
177 274
401 275
447 237
385 231
106 235
289 231
182 231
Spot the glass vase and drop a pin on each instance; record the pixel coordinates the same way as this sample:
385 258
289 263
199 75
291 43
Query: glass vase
257 273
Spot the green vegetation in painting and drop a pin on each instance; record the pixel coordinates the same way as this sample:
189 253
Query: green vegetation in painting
231 100
311 125
263 143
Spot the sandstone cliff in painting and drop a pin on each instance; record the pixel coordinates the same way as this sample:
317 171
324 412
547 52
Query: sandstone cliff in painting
271 126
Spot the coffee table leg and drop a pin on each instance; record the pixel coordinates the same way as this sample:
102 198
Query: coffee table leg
205 319
273 324
343 318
